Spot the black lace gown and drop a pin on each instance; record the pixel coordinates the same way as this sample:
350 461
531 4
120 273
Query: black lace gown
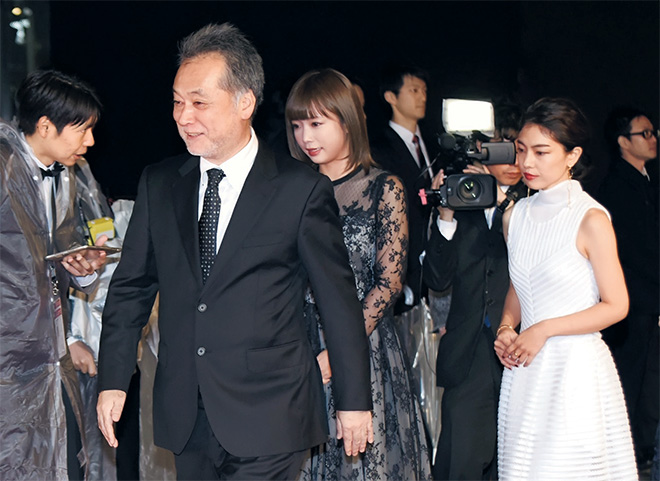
372 208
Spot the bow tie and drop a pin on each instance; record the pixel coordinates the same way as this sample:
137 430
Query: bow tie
54 172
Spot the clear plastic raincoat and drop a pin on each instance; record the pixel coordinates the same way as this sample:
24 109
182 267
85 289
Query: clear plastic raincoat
86 311
86 316
34 362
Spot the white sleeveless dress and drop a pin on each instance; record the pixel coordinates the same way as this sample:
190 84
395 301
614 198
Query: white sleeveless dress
564 416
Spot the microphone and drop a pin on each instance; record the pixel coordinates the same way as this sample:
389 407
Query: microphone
447 141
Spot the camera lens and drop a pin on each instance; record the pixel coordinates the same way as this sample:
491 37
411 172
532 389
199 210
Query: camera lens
469 190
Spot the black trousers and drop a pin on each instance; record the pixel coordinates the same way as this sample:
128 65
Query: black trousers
204 458
634 346
128 434
468 441
73 440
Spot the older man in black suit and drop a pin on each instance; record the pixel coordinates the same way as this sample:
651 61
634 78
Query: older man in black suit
231 237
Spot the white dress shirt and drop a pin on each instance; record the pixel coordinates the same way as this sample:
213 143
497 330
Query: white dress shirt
407 137
47 185
236 170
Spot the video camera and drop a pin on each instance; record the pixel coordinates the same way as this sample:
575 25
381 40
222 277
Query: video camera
467 122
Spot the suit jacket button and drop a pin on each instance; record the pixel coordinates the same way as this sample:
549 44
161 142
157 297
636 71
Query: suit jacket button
201 351
201 307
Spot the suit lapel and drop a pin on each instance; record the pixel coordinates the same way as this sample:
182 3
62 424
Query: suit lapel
185 196
403 152
254 198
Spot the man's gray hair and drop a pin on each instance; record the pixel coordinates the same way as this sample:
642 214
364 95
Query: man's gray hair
244 65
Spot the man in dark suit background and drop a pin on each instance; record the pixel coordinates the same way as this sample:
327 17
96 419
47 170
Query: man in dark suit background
238 393
401 149
630 193
466 251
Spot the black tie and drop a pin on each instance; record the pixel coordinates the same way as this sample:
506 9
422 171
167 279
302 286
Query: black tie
496 222
54 172
208 222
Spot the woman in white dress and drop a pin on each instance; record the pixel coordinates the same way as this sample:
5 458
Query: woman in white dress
562 413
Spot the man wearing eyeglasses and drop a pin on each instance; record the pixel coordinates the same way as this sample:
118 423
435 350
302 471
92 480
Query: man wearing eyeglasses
630 193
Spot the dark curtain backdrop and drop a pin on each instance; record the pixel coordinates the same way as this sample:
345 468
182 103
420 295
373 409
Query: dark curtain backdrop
599 53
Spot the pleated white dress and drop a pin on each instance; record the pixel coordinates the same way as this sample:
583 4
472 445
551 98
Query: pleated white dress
564 416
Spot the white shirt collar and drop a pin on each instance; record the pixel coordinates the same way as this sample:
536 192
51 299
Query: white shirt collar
38 162
238 167
404 133
407 137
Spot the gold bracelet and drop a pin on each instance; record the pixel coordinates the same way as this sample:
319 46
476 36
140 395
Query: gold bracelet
504 326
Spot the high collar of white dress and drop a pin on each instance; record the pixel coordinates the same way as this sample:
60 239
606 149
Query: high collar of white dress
548 203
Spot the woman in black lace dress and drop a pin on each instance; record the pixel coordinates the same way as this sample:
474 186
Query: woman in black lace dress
326 125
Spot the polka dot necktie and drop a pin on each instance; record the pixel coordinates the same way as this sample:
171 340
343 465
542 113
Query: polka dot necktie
208 222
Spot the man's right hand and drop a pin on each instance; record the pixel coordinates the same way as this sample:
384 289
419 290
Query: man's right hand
446 213
356 428
108 411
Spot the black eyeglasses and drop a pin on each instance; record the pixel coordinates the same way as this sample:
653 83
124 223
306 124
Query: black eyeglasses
647 134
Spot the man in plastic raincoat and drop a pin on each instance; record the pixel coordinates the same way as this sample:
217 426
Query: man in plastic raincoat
56 114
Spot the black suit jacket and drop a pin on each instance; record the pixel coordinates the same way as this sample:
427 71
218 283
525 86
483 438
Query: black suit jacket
390 151
633 203
241 337
474 263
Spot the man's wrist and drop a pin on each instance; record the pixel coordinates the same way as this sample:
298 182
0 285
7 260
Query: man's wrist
73 339
85 281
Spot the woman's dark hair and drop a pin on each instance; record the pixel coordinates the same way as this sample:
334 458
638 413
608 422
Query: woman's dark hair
563 121
64 99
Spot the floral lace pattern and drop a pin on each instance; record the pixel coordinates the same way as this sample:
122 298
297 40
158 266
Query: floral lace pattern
372 208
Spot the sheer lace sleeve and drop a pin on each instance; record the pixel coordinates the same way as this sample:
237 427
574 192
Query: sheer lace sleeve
391 252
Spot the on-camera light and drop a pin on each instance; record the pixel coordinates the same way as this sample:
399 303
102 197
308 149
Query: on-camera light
463 117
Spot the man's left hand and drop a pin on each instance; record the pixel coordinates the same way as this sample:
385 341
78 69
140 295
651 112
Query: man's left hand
83 359
324 366
86 263
356 429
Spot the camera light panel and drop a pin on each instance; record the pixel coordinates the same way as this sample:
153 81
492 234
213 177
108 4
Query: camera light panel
462 117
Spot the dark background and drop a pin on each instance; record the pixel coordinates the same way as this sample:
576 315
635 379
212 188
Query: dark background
601 54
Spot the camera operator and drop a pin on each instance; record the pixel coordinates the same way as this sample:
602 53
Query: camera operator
466 251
